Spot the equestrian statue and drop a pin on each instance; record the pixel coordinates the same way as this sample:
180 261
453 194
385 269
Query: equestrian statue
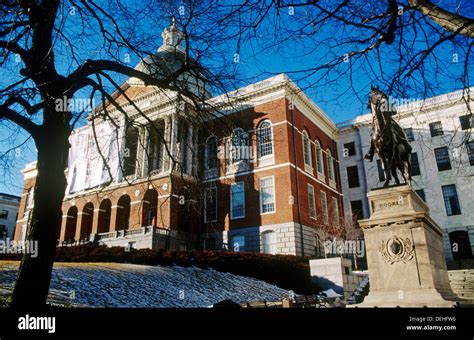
388 139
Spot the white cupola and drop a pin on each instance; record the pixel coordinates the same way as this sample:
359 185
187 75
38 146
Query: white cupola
173 38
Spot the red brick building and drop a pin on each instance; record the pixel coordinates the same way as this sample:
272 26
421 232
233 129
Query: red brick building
268 182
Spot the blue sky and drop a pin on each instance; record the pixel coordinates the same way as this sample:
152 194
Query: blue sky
342 96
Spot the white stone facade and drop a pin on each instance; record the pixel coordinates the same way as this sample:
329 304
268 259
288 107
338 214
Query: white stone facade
286 239
9 206
446 109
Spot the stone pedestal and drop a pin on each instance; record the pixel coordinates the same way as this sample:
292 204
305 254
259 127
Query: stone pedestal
405 254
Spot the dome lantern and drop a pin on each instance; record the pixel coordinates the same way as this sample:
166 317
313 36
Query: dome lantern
172 38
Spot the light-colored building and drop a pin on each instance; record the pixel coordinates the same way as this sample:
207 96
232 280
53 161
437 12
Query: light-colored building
9 205
440 132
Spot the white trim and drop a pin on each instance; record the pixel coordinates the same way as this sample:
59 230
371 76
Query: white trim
234 175
277 166
232 217
265 161
260 195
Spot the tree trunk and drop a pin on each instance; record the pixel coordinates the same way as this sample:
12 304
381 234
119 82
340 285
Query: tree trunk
34 276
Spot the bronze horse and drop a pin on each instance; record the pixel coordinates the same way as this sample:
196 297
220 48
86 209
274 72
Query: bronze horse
388 139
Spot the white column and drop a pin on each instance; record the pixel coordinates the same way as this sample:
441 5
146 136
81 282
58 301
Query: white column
174 138
195 152
146 150
190 151
167 147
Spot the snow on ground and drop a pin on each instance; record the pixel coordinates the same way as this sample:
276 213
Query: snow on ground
128 285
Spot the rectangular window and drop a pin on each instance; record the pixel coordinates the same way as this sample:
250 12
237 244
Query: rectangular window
353 176
349 149
356 208
442 158
238 242
466 122
451 201
319 160
335 211
4 214
436 129
409 134
269 242
421 193
267 195
324 207
237 200
470 152
311 200
415 165
210 205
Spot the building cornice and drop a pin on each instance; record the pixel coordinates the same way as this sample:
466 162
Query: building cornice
444 101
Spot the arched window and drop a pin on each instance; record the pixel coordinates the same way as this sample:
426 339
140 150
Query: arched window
149 209
239 146
103 224
86 225
307 150
330 165
265 139
123 213
269 241
71 222
210 153
319 159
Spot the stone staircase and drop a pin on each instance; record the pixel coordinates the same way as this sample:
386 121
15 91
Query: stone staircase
462 282
360 292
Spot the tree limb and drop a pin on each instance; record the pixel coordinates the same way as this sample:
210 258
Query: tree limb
451 22
22 121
